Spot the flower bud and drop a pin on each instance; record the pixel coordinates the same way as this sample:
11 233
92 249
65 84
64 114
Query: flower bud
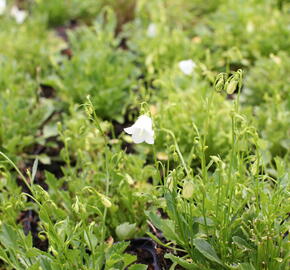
170 183
231 86
76 206
41 236
188 189
220 82
53 251
129 179
175 157
215 159
106 202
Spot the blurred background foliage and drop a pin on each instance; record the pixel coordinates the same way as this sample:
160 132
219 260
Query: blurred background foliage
73 75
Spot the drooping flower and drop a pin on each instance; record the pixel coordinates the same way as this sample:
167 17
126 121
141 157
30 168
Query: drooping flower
18 15
152 31
187 66
141 130
2 6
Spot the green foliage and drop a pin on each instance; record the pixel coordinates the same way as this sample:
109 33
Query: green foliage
99 69
60 12
214 187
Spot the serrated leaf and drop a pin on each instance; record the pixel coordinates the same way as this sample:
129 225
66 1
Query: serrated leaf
118 248
128 259
206 250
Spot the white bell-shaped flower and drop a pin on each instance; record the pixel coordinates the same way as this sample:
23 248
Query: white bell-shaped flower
142 130
2 6
18 15
152 30
187 66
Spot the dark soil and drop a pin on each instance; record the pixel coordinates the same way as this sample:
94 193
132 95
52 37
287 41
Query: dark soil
125 10
62 31
29 220
148 252
47 91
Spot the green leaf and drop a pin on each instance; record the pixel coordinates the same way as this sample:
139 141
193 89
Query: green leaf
200 220
240 242
8 236
44 159
246 266
182 262
138 267
118 248
45 263
34 169
50 131
165 225
206 250
3 256
35 266
128 259
52 182
33 252
112 260
125 230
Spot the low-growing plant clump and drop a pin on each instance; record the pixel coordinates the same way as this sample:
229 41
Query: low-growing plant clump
144 134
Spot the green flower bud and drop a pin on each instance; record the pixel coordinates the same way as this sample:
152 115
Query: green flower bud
76 205
175 157
105 201
42 236
231 86
129 179
215 159
220 82
54 252
170 183
188 189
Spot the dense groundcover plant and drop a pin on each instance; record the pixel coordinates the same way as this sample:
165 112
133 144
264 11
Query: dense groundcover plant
144 134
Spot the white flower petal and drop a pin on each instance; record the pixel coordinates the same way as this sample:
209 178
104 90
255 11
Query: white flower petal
149 138
142 130
151 31
2 6
187 66
129 130
19 15
144 121
138 136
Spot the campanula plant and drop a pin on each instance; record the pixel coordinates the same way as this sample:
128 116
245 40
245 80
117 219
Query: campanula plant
144 134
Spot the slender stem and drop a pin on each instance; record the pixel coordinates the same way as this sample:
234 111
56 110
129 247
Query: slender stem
177 150
204 180
17 170
107 193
